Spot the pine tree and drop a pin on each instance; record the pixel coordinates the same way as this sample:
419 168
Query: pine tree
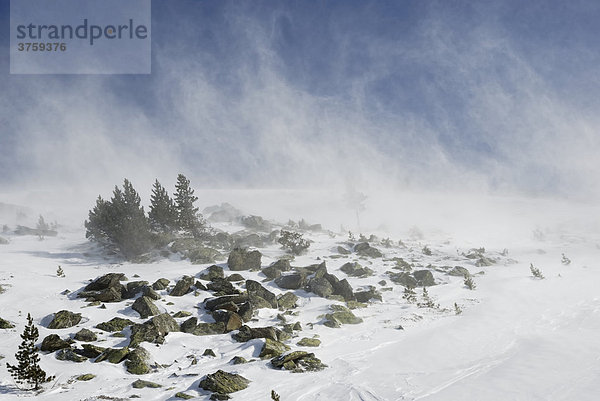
409 294
28 370
120 222
162 215
187 214
469 282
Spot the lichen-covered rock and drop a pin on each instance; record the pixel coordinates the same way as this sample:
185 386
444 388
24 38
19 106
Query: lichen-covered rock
203 254
138 361
272 348
213 304
133 288
298 361
292 281
242 259
213 272
344 289
223 382
189 325
5 324
238 360
85 335
367 295
235 277
106 281
208 329
309 342
287 300
274 270
183 286
248 333
144 383
113 355
403 278
343 251
150 293
67 354
341 315
183 396
90 350
64 319
354 269
424 278
256 290
222 287
144 306
209 352
320 286
114 325
154 330
53 343
85 377
364 249
160 284
231 320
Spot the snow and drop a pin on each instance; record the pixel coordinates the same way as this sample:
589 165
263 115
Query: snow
518 338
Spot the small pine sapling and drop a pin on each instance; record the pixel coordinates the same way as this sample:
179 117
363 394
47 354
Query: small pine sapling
426 251
457 309
28 370
410 295
537 273
275 396
565 261
427 302
293 242
469 282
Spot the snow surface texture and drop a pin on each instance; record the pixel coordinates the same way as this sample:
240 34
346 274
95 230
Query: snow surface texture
518 338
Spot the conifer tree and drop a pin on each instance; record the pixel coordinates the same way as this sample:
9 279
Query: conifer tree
162 214
28 370
187 214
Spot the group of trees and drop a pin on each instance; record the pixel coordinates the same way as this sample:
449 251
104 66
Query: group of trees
121 222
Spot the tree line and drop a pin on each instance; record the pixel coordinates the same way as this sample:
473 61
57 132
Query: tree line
122 224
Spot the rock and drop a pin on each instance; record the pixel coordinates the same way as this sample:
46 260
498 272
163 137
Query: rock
208 329
256 223
133 288
366 296
292 281
222 213
200 286
274 270
53 343
3 241
5 324
213 272
242 259
404 279
231 320
272 348
256 290
246 311
189 325
459 271
484 261
247 333
235 277
183 286
298 361
364 249
144 383
90 350
113 355
150 293
354 269
238 360
112 294
341 315
209 352
203 254
224 383
213 304
85 335
67 354
287 300
342 251
85 377
64 319
114 325
160 284
106 281
222 287
138 361
424 278
144 306
154 330
182 313
344 289
309 342
183 396
320 286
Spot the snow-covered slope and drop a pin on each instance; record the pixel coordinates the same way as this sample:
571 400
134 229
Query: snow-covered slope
517 338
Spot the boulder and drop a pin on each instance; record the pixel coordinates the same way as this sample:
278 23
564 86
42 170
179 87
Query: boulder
144 306
203 254
298 361
242 259
274 270
213 272
256 290
138 361
64 319
133 288
235 277
150 293
144 383
224 383
344 289
364 249
231 320
459 271
183 286
189 325
341 315
115 324
238 360
287 300
222 287
320 286
272 348
113 355
90 350
424 278
106 281
53 343
5 324
367 295
160 284
85 335
249 333
212 304
404 279
292 281
67 354
309 342
154 330
208 329
354 269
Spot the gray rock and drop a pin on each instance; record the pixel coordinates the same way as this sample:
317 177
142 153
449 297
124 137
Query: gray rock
256 290
90 350
364 249
298 361
287 300
144 383
459 271
138 361
189 325
242 259
215 303
344 289
64 319
292 281
354 269
106 281
67 354
208 329
150 293
85 335
53 343
404 279
154 330
222 287
113 355
424 278
114 325
5 324
320 286
272 348
160 284
183 286
249 333
144 306
224 383
213 272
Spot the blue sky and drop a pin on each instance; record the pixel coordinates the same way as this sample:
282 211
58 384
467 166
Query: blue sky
490 95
